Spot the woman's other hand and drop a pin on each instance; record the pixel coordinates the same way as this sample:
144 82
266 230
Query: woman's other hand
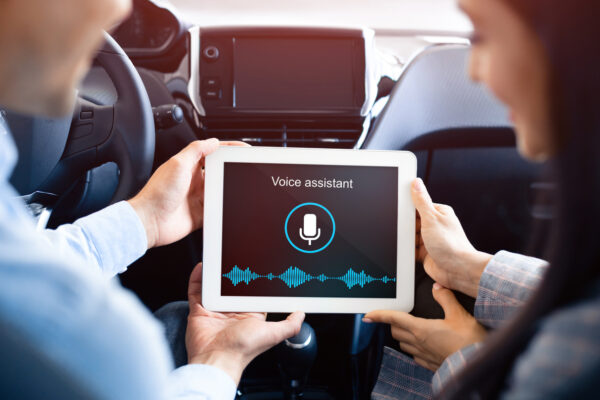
431 341
442 246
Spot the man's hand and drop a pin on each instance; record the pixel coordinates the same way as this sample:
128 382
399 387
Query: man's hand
230 341
431 341
171 205
442 246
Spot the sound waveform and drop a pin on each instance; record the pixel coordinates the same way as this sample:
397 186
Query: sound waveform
294 277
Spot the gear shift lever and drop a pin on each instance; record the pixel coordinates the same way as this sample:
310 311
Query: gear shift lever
296 356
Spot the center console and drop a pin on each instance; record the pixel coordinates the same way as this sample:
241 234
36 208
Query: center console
282 78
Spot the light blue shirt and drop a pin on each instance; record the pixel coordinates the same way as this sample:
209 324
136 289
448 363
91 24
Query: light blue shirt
56 292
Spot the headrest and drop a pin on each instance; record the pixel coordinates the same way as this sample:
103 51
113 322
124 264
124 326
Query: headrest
434 93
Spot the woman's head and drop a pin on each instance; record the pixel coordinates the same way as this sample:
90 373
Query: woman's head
542 58
509 57
558 39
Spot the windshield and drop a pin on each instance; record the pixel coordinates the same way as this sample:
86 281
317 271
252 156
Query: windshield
434 17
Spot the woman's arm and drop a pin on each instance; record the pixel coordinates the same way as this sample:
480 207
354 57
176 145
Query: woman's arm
561 361
501 283
507 282
443 247
431 341
563 358
441 346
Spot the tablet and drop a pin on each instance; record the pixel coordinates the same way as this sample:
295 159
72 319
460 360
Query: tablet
315 230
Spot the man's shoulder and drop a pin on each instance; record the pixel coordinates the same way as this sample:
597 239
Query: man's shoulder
95 330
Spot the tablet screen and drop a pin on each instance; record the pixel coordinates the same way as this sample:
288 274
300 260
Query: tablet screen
309 230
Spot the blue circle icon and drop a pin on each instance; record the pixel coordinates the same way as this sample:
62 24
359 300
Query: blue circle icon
287 220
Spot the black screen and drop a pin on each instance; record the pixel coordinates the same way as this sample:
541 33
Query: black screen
297 74
309 231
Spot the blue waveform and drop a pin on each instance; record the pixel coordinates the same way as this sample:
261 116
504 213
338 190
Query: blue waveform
294 277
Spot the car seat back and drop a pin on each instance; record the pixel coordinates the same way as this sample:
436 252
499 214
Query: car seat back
465 146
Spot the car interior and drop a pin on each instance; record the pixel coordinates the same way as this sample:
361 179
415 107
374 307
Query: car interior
179 71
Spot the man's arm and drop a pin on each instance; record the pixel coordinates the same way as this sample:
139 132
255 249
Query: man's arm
167 209
108 240
94 331
90 329
200 382
506 283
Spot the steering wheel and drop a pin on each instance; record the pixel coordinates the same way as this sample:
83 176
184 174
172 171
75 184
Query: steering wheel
53 154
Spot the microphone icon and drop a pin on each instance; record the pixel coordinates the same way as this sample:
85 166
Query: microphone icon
310 231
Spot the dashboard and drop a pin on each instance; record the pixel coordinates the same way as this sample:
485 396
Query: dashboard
265 85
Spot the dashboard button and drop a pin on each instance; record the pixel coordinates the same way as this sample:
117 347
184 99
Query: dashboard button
211 83
211 53
86 115
212 94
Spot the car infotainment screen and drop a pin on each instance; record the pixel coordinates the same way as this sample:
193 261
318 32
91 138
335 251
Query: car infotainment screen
298 73
309 230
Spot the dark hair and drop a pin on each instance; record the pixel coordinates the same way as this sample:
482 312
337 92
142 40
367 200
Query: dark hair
569 31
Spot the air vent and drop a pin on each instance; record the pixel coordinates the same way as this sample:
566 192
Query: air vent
296 134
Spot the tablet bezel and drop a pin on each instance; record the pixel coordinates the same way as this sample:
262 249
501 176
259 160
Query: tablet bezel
406 163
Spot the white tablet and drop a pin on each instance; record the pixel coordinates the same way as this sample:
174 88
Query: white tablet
315 230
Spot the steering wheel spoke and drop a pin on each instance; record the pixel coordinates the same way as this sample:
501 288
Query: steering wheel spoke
122 133
92 126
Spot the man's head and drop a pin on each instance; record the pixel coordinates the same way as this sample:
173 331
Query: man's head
46 48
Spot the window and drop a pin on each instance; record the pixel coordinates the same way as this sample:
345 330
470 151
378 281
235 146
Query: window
432 17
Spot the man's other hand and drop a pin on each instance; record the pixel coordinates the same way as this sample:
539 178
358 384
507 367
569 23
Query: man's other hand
171 205
229 341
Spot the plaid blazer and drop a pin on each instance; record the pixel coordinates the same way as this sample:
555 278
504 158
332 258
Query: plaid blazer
561 361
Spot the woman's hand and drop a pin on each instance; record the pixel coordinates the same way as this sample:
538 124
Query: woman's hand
171 205
431 341
442 246
229 341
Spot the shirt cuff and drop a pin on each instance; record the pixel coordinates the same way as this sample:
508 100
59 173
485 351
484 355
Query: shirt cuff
506 283
452 366
117 235
400 377
197 381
